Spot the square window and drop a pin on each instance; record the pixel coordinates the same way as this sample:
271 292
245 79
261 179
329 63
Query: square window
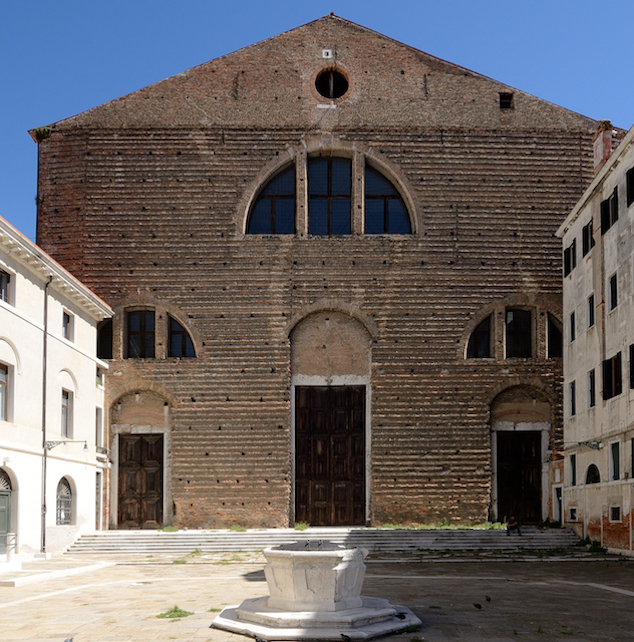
615 513
67 326
614 295
573 514
592 389
587 238
67 414
591 320
5 280
506 100
615 461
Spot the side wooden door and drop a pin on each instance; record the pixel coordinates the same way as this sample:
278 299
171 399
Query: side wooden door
330 455
140 481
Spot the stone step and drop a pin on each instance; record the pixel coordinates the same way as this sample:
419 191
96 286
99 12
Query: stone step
119 542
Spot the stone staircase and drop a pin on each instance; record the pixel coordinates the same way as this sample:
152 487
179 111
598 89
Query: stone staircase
375 540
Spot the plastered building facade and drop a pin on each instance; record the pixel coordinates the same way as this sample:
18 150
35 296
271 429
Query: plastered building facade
599 354
53 464
336 284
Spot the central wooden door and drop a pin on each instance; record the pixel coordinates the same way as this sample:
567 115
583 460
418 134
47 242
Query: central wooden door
330 455
519 465
140 481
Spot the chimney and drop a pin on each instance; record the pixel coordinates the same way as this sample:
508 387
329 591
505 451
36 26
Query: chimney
602 144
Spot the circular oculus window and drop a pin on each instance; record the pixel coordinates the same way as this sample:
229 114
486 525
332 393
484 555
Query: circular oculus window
331 84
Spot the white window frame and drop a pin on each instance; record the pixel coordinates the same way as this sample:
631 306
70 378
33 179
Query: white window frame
68 325
10 286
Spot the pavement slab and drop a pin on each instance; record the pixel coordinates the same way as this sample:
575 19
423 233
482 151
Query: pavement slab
529 600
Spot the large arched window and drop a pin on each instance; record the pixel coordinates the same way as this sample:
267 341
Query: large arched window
64 502
385 212
274 208
180 344
479 346
331 200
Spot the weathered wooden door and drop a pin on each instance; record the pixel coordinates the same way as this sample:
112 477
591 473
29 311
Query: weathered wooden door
330 455
140 481
519 455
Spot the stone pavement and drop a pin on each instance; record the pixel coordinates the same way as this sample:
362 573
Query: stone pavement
529 600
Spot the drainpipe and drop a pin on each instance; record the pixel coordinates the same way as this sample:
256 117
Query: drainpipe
44 381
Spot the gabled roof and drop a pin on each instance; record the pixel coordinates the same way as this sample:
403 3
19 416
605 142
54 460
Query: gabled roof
15 244
271 84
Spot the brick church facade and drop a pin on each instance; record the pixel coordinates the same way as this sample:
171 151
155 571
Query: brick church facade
336 284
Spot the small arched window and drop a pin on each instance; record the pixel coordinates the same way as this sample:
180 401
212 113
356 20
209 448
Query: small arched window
593 476
480 341
64 502
180 344
385 211
274 209
5 481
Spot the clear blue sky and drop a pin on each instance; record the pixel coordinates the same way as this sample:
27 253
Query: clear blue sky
61 57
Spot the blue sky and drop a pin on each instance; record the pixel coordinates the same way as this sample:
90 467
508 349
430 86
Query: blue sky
62 57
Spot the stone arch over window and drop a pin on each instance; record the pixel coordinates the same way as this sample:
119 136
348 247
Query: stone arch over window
64 503
330 191
592 474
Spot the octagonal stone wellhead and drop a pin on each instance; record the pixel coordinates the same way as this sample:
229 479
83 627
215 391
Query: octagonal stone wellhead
314 576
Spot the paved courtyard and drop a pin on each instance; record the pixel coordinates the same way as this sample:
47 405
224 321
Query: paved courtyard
548 600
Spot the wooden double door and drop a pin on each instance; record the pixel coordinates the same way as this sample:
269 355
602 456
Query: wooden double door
330 455
519 473
140 481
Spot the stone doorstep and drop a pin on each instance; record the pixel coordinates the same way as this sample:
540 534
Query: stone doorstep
377 617
32 576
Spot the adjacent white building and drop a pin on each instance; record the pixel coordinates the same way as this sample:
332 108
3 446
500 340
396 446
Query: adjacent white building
53 465
598 242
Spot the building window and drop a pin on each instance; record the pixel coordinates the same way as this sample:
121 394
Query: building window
180 343
64 502
629 181
140 325
4 392
615 513
573 470
592 475
506 100
5 280
610 211
571 327
67 326
274 209
99 428
331 83
573 399
612 383
587 239
519 333
632 456
570 258
590 312
104 339
480 341
615 461
555 339
614 293
67 414
631 366
329 196
592 389
385 212
573 514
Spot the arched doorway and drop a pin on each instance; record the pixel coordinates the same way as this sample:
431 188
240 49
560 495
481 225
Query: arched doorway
330 363
5 509
140 442
520 430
